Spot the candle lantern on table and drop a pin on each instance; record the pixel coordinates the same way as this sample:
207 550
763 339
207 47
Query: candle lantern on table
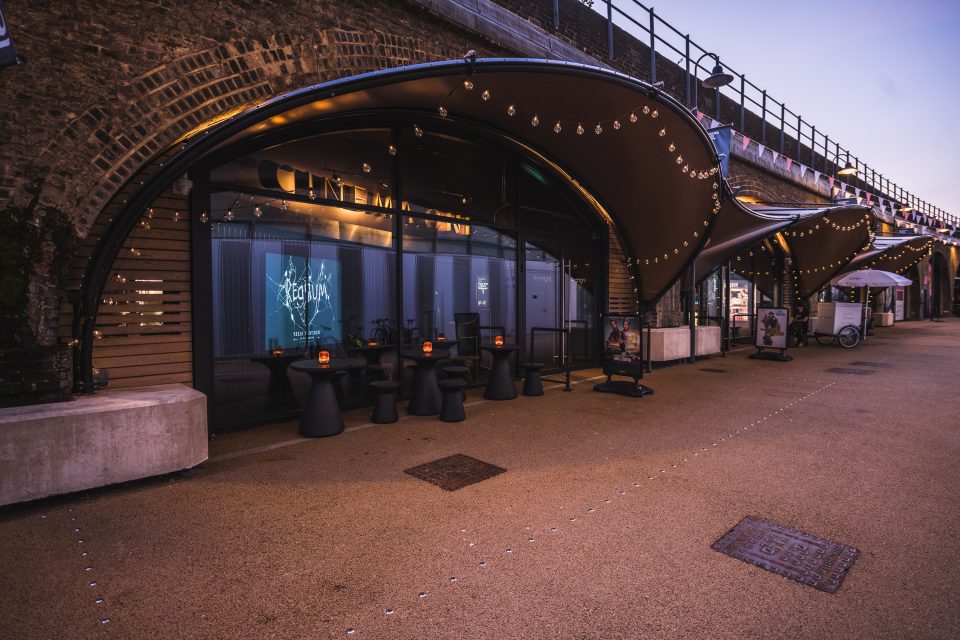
498 340
323 357
441 337
277 352
427 347
371 343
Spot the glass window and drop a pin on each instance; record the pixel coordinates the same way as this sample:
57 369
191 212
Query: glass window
288 283
452 178
459 283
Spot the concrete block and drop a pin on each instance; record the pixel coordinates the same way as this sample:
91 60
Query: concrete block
673 343
94 441
883 319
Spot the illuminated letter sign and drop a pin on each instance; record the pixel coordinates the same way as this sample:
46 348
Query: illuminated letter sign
8 55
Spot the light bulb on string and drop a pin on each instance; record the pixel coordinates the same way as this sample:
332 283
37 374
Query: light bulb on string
598 129
257 212
417 131
468 85
485 95
367 168
443 111
557 128
579 129
633 117
535 120
616 125
511 110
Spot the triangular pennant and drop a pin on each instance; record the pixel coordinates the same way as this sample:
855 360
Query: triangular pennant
869 197
816 177
831 179
760 150
843 188
803 169
746 143
699 116
859 200
789 163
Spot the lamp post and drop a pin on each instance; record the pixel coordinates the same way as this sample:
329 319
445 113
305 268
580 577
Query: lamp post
718 77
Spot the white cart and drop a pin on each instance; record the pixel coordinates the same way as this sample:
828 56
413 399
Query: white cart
838 321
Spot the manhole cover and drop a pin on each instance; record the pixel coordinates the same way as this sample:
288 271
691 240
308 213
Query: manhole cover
713 370
815 562
853 372
454 472
865 363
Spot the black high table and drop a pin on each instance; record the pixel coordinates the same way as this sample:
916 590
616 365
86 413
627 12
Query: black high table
279 393
500 384
425 396
321 413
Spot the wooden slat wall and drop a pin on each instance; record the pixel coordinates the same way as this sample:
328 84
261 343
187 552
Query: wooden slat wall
144 317
619 286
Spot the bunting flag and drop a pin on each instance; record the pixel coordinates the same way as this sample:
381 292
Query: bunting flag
803 169
869 197
843 188
789 163
816 178
699 116
746 143
760 150
831 179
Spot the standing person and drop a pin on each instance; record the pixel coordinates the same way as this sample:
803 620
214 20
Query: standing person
799 325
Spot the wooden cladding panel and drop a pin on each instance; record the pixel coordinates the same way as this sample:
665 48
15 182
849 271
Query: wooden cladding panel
621 298
144 320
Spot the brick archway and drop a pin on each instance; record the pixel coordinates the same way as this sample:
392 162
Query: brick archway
180 95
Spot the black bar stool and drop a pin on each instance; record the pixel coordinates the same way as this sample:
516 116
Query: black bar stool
452 408
458 372
385 406
532 385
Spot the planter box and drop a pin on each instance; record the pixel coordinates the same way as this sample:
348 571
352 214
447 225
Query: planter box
674 343
94 441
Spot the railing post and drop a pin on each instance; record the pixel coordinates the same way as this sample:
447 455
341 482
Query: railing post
763 120
743 113
799 127
783 115
610 29
556 14
653 50
687 73
813 147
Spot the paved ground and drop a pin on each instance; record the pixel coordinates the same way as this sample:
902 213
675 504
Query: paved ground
278 537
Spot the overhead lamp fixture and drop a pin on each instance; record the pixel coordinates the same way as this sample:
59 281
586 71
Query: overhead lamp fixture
848 169
718 78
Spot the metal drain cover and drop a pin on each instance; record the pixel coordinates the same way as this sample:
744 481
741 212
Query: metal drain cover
865 363
454 472
853 372
815 562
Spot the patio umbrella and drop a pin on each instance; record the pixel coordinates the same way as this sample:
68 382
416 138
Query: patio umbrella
870 278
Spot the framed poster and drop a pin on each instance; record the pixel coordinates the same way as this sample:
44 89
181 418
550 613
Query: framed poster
621 346
772 326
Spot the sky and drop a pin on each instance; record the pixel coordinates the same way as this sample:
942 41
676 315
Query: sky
882 77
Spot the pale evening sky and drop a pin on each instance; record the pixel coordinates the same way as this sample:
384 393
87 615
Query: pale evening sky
879 76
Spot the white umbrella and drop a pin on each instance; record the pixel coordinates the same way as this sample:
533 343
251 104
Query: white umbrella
870 278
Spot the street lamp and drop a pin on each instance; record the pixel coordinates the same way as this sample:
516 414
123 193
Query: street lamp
718 77
848 169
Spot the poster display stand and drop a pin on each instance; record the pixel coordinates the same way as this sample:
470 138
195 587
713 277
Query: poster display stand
771 343
622 356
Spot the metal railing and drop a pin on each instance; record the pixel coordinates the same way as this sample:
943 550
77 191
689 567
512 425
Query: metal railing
774 124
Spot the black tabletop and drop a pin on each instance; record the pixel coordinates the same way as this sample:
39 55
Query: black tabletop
509 348
335 364
420 356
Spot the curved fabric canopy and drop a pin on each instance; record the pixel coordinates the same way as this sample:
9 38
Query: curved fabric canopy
894 253
634 154
818 242
822 244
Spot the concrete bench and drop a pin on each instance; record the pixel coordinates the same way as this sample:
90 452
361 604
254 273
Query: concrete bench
98 440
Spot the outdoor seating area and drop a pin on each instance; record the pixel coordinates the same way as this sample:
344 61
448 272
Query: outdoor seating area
624 501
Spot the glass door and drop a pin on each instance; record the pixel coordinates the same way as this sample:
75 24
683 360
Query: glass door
559 295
